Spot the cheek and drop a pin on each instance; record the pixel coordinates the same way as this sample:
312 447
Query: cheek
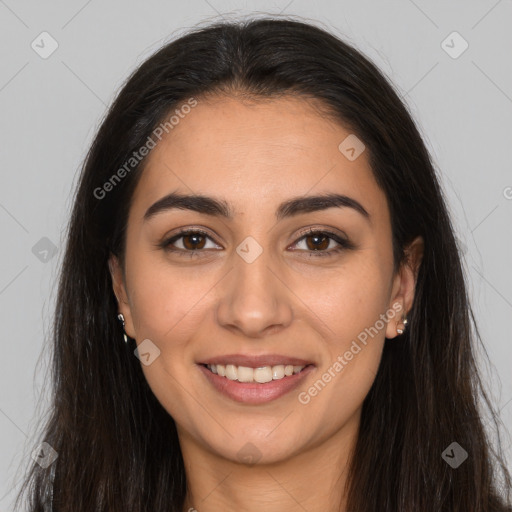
164 299
167 309
349 305
347 300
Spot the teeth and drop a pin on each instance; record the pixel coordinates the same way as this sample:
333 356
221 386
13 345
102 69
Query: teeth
245 374
231 372
261 375
277 372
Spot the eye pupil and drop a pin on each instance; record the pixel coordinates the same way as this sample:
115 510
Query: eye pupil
316 244
195 237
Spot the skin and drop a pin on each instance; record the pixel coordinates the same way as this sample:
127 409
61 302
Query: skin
254 156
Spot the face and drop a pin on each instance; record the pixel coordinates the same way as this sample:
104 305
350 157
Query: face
261 287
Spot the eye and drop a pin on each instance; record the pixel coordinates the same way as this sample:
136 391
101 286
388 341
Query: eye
190 242
317 242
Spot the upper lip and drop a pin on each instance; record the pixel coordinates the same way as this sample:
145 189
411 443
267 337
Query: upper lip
256 361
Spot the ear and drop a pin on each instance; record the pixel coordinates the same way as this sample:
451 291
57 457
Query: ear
404 284
119 287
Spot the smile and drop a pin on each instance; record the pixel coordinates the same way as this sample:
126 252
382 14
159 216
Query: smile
256 384
261 375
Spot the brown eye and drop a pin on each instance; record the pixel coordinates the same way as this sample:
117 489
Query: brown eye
189 243
194 241
318 242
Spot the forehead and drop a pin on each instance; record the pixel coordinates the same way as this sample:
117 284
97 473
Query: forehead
256 153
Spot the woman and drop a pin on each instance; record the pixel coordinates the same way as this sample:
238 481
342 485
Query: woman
262 304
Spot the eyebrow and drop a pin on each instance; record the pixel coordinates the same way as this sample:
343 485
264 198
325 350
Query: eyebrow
220 208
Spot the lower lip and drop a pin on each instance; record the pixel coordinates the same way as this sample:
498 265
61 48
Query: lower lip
254 393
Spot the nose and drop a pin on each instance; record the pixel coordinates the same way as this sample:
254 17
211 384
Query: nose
254 301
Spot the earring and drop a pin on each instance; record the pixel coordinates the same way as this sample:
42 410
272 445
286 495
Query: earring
404 323
120 316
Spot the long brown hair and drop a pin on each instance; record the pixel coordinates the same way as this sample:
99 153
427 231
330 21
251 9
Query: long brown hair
117 447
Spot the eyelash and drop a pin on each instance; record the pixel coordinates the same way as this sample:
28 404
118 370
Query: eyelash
343 243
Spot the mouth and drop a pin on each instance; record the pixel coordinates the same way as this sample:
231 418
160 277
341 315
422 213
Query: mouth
255 380
260 375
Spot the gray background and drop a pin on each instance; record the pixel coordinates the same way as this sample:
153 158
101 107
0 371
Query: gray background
52 107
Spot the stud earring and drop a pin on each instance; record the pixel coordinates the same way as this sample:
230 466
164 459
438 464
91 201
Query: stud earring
120 316
400 330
